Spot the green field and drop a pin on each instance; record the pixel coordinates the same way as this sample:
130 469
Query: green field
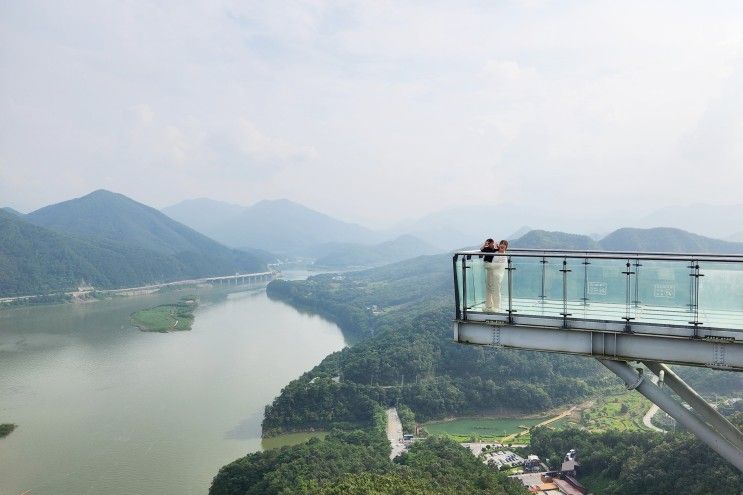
620 412
464 430
166 317
6 429
290 439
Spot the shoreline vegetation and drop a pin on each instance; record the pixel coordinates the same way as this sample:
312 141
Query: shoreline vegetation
166 317
6 429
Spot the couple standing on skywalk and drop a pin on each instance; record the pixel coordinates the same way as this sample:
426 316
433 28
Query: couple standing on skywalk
495 268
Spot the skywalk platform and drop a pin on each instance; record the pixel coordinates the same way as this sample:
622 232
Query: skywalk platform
682 309
623 308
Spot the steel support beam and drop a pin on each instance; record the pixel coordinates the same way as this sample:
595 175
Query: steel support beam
603 344
698 404
677 411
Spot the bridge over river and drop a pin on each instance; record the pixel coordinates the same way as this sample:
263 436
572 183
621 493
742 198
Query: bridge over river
224 280
620 308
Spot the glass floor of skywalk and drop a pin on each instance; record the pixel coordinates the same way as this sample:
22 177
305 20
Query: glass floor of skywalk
615 312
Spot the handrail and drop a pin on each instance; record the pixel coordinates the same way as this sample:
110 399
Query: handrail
609 255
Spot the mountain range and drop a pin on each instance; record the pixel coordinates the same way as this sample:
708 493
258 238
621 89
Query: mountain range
279 226
659 239
112 241
460 226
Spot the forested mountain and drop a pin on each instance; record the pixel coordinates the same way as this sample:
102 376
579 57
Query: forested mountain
35 260
659 239
279 226
541 239
342 255
114 217
109 241
666 240
15 212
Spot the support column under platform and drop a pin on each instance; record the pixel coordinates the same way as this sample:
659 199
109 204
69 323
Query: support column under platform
702 430
697 403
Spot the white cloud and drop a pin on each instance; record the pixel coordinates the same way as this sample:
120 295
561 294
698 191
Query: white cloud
393 108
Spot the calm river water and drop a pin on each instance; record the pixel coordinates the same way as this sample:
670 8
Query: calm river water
105 408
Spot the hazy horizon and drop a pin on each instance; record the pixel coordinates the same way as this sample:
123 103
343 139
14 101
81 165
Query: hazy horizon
706 219
374 113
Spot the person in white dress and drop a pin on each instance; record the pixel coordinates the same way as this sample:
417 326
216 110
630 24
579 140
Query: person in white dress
495 269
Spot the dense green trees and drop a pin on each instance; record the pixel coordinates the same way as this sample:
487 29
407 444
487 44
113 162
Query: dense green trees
357 462
615 463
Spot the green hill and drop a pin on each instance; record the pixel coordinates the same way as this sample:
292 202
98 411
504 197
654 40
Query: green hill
109 241
114 217
542 239
35 260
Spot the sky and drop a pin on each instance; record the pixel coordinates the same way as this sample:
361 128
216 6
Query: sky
374 111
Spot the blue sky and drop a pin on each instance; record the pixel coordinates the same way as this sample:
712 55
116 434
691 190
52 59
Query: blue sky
373 111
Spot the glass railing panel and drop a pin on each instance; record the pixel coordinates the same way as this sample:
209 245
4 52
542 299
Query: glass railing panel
527 278
475 291
537 286
457 269
720 295
661 294
596 289
673 292
476 287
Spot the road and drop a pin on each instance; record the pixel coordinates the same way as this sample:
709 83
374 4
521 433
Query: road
394 433
646 420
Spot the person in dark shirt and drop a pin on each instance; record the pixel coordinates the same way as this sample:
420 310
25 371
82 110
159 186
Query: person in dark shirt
488 247
494 270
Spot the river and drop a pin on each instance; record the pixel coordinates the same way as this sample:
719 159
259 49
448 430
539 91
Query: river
104 408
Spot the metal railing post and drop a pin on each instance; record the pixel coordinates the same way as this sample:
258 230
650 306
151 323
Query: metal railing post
510 270
637 283
565 313
458 308
585 281
627 290
544 268
694 296
464 288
